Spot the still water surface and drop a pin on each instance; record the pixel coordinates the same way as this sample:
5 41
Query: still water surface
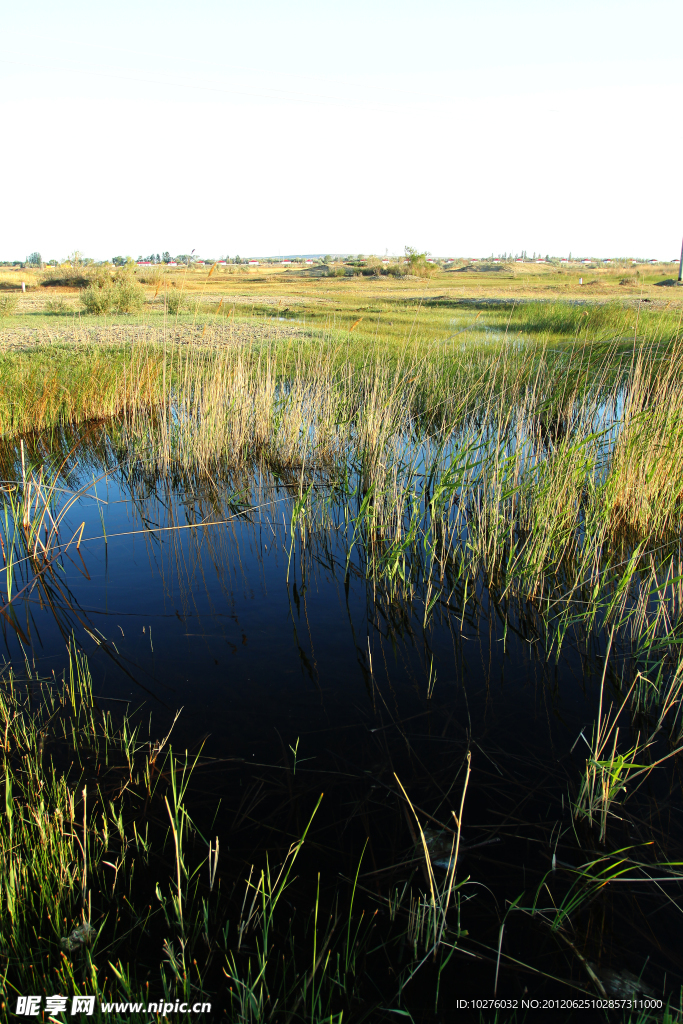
283 658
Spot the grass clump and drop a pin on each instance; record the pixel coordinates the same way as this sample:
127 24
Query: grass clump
174 301
62 384
8 305
57 307
129 296
124 296
97 301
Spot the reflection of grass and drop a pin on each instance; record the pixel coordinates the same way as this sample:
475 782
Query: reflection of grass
103 874
417 921
533 464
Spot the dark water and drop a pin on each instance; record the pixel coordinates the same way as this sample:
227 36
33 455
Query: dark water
322 683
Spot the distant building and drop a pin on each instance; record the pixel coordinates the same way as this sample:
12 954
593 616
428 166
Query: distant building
253 263
540 261
285 261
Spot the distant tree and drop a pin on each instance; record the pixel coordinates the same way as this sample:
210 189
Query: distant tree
237 260
119 261
418 262
166 257
52 263
35 260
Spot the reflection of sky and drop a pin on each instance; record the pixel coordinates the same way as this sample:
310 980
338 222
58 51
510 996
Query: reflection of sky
205 620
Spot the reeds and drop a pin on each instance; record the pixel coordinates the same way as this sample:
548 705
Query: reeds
550 481
104 874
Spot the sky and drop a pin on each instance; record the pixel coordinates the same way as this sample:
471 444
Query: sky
458 128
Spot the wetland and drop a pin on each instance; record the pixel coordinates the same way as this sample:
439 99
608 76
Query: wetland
341 658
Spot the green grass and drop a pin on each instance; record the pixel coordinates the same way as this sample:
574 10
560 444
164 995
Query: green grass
105 874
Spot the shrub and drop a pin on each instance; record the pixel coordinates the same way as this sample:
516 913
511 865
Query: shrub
129 296
123 296
97 300
153 276
8 304
57 306
65 277
417 265
174 302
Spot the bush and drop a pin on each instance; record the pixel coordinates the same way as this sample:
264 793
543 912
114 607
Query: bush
8 304
124 296
153 276
97 300
129 296
417 263
65 277
57 306
174 302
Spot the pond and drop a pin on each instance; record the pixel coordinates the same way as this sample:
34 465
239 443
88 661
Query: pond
297 673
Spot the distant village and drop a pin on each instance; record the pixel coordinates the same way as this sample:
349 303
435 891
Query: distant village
349 258
327 260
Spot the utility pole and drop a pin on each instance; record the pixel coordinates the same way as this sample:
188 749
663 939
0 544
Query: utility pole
680 268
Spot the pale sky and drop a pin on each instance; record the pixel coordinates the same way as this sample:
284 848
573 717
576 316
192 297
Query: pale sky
303 126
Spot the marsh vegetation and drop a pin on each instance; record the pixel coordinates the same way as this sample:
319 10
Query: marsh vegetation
414 577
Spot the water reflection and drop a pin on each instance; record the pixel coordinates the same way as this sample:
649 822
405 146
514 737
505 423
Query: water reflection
191 590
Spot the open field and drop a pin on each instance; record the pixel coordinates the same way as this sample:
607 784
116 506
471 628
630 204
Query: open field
411 544
386 304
